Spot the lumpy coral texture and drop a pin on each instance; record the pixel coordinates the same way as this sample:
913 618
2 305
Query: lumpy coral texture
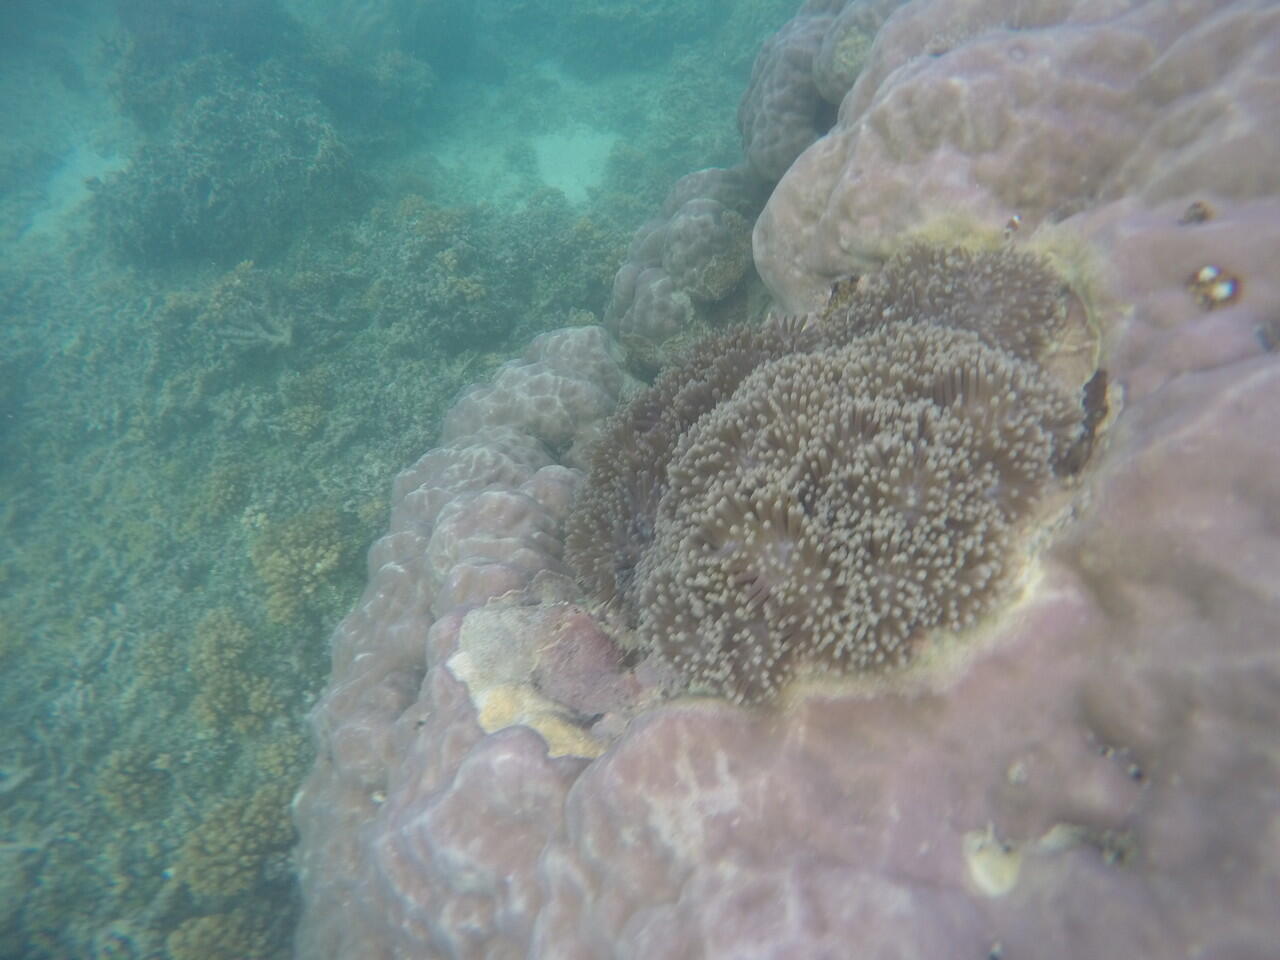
695 255
1036 111
501 769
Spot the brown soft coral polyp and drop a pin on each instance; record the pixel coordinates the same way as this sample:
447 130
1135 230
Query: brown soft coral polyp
839 506
824 494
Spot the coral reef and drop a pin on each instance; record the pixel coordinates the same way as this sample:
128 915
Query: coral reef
1090 771
1044 796
132 782
249 156
443 279
226 854
425 274
1089 775
156 426
229 694
235 935
683 263
246 310
295 560
226 487
983 110
283 758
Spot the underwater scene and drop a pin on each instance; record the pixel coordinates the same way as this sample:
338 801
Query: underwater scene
602 479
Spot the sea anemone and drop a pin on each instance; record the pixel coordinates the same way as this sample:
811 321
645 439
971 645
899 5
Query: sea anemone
843 504
825 493
612 523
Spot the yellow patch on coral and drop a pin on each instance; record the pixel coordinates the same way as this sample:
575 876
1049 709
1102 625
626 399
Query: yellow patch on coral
993 864
495 660
510 705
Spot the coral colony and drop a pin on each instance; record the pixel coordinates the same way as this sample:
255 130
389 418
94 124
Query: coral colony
846 529
933 613
827 491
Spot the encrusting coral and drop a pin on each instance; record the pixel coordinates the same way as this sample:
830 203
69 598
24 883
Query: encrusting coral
826 492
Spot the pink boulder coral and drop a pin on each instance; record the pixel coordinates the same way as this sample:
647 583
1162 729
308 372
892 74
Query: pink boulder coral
1037 111
696 254
1095 776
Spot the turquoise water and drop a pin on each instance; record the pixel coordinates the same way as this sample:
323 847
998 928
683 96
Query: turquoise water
251 251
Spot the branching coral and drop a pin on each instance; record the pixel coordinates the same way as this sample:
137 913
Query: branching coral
245 310
235 935
250 155
132 782
227 853
295 559
427 274
228 694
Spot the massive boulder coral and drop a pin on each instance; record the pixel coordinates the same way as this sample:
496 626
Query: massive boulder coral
846 44
470 522
782 111
1096 765
679 265
707 250
800 75
1026 114
566 382
1092 776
